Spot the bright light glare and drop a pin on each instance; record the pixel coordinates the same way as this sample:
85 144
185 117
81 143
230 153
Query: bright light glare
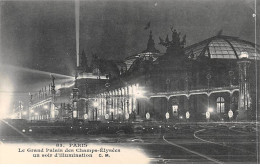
24 113
210 109
31 111
5 96
95 104
45 107
138 92
243 55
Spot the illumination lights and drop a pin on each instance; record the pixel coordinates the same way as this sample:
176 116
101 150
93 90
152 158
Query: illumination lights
95 104
147 115
138 92
210 109
85 116
230 113
167 115
187 115
243 55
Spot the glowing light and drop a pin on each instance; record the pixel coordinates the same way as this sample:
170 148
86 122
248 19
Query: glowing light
75 114
167 115
36 114
5 96
24 113
31 111
35 71
95 104
175 108
181 117
45 107
210 109
187 115
138 92
85 116
147 115
207 114
243 55
230 113
126 116
106 116
77 29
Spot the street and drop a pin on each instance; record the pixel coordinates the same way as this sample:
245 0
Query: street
164 143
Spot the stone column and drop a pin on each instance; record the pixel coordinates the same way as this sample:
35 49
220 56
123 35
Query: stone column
244 103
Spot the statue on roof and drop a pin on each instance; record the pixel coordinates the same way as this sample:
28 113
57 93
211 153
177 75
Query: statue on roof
175 44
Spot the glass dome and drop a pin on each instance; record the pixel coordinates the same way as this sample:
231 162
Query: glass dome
223 47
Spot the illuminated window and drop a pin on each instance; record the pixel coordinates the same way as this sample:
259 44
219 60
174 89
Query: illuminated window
220 105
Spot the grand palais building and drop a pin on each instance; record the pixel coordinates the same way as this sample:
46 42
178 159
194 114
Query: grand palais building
212 80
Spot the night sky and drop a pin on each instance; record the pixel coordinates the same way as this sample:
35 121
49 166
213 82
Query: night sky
40 35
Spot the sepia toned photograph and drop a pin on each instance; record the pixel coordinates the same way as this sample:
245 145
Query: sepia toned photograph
129 82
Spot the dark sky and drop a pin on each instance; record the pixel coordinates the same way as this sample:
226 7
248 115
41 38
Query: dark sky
40 35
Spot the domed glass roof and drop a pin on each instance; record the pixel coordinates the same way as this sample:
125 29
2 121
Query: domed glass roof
223 47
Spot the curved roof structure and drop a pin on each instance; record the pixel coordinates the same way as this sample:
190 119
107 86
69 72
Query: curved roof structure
150 51
223 47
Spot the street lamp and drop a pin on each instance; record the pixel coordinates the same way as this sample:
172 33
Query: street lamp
210 109
106 116
167 116
187 115
95 104
45 107
138 92
207 115
230 114
147 115
85 116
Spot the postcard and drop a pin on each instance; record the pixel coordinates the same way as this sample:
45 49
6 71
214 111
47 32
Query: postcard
129 82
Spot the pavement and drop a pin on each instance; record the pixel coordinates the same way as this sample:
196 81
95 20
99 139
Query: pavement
218 143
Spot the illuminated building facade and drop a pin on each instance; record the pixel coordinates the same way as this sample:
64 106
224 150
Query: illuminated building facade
212 80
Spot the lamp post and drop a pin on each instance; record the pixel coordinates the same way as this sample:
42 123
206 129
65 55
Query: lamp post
208 109
230 114
208 79
52 113
244 87
167 116
147 115
187 116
